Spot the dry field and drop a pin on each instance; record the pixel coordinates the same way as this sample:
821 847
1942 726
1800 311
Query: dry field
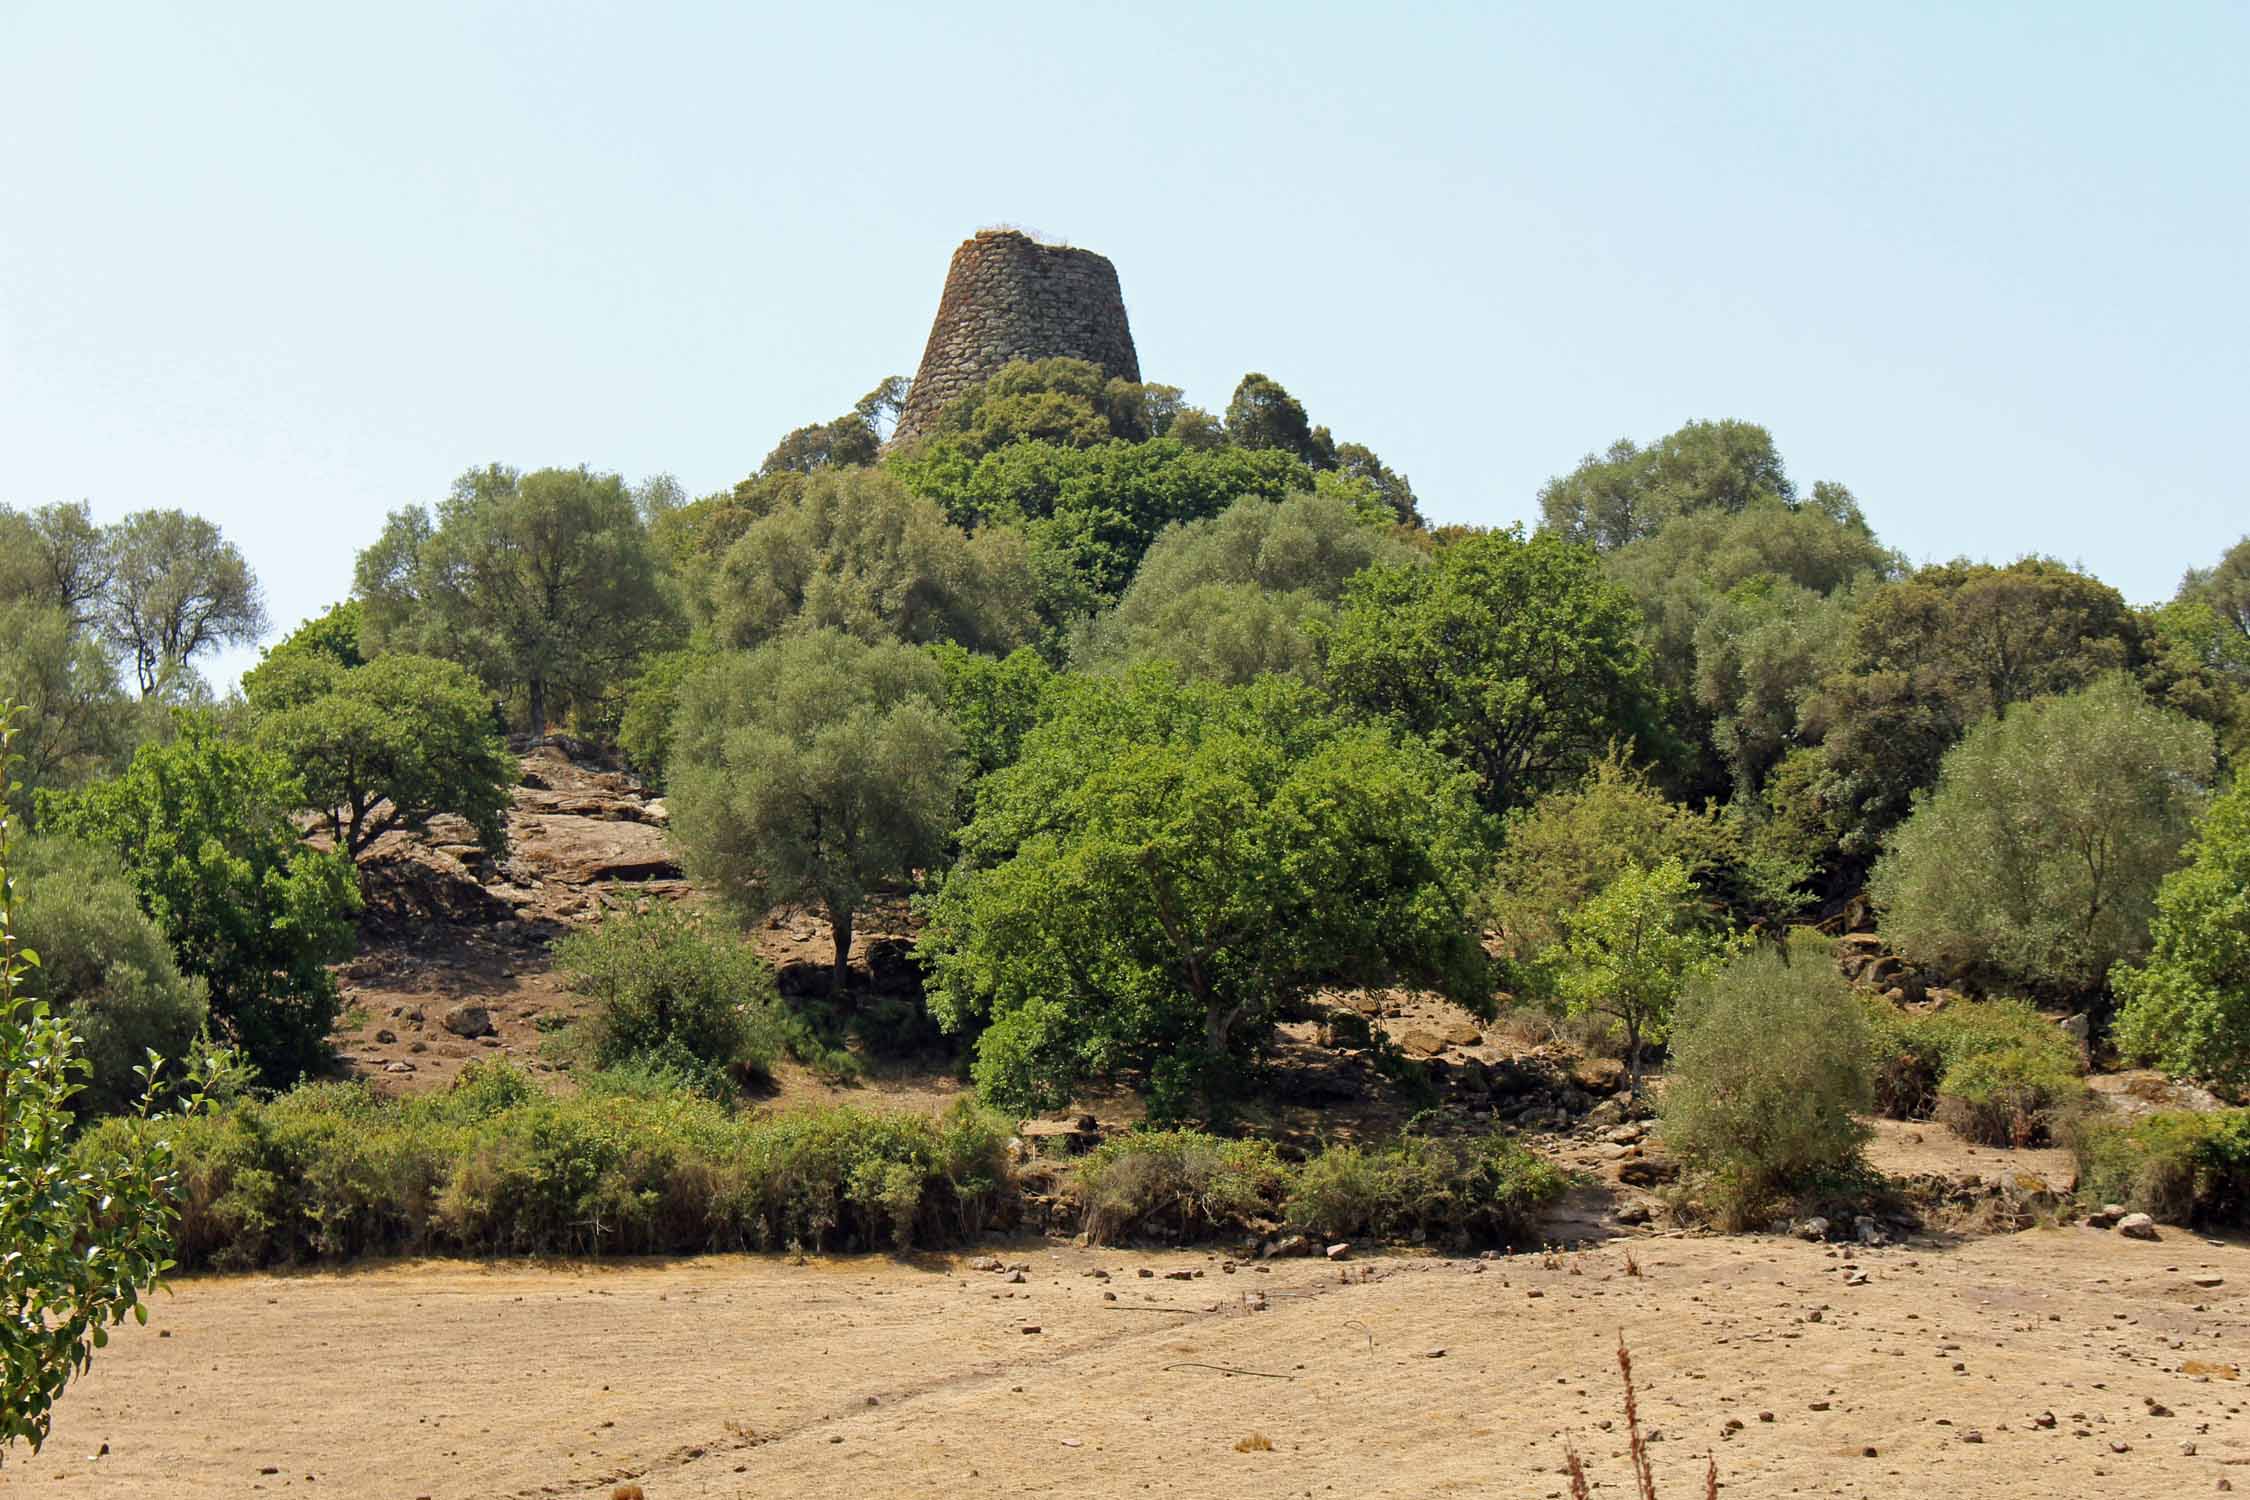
1390 1376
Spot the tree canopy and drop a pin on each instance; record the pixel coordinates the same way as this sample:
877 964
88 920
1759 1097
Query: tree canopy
2188 1008
1513 655
1168 864
542 584
177 589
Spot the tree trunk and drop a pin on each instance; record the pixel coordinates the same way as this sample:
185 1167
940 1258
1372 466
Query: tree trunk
839 984
1633 1060
538 704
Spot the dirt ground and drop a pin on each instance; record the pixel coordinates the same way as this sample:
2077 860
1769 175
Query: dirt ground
1937 1377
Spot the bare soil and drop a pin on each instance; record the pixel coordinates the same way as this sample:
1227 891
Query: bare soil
1390 1376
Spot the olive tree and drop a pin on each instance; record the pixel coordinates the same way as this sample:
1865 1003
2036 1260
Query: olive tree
540 583
2035 861
177 589
815 769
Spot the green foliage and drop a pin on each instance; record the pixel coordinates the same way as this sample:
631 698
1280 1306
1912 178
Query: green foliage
1769 1070
78 724
2035 862
202 827
1069 402
992 702
853 439
104 968
1090 514
1632 948
86 1230
1167 865
541 583
2180 1166
1631 492
815 769
1483 1188
2188 1008
333 635
1986 1067
177 590
386 745
1178 1184
1932 654
854 551
1231 597
1264 415
671 994
55 557
652 704
494 1167
1515 657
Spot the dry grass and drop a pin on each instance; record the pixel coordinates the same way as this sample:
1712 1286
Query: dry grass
1644 1477
627 1492
1256 1442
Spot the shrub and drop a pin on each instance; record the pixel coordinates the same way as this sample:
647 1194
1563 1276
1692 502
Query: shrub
1770 1065
1921 1061
1485 1188
1178 1183
2177 1165
672 996
105 967
330 1171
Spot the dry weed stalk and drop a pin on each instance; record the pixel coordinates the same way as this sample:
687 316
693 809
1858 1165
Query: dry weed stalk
1644 1476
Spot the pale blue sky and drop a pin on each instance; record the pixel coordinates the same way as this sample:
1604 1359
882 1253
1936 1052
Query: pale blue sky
293 266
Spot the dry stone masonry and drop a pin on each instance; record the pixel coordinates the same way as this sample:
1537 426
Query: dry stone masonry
1008 297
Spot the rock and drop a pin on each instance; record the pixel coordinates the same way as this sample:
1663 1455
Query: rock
1288 1244
1029 1328
2106 1216
803 979
985 1263
398 1067
2210 1281
1461 1034
468 1020
1339 1251
2137 1227
1634 1213
1017 1278
1814 1228
1647 1171
1869 1232
1597 1075
385 1036
1422 1043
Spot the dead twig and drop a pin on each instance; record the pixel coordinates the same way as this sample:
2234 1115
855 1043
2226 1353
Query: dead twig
1194 1364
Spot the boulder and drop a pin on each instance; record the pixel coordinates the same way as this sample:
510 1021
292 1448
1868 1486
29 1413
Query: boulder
469 1021
1421 1043
2137 1227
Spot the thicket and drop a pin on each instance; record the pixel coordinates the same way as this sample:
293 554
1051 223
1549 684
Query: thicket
1996 1071
2181 1166
673 998
2188 1008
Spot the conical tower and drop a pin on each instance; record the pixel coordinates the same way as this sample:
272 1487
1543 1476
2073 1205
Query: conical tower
1008 297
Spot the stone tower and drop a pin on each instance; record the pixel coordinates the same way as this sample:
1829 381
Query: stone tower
1008 297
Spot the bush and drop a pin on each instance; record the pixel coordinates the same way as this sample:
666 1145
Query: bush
1921 1062
1179 1184
104 966
1485 1188
2176 1165
492 1166
1770 1066
673 997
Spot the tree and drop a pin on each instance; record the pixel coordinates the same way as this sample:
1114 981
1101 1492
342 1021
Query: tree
56 556
542 583
78 724
855 551
2225 587
334 635
1770 1071
1168 864
202 827
993 702
2188 1008
814 769
1631 492
1930 655
1514 656
1263 414
386 745
1633 948
2035 861
1761 652
88 1232
851 440
104 967
1229 597
1069 402
177 590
